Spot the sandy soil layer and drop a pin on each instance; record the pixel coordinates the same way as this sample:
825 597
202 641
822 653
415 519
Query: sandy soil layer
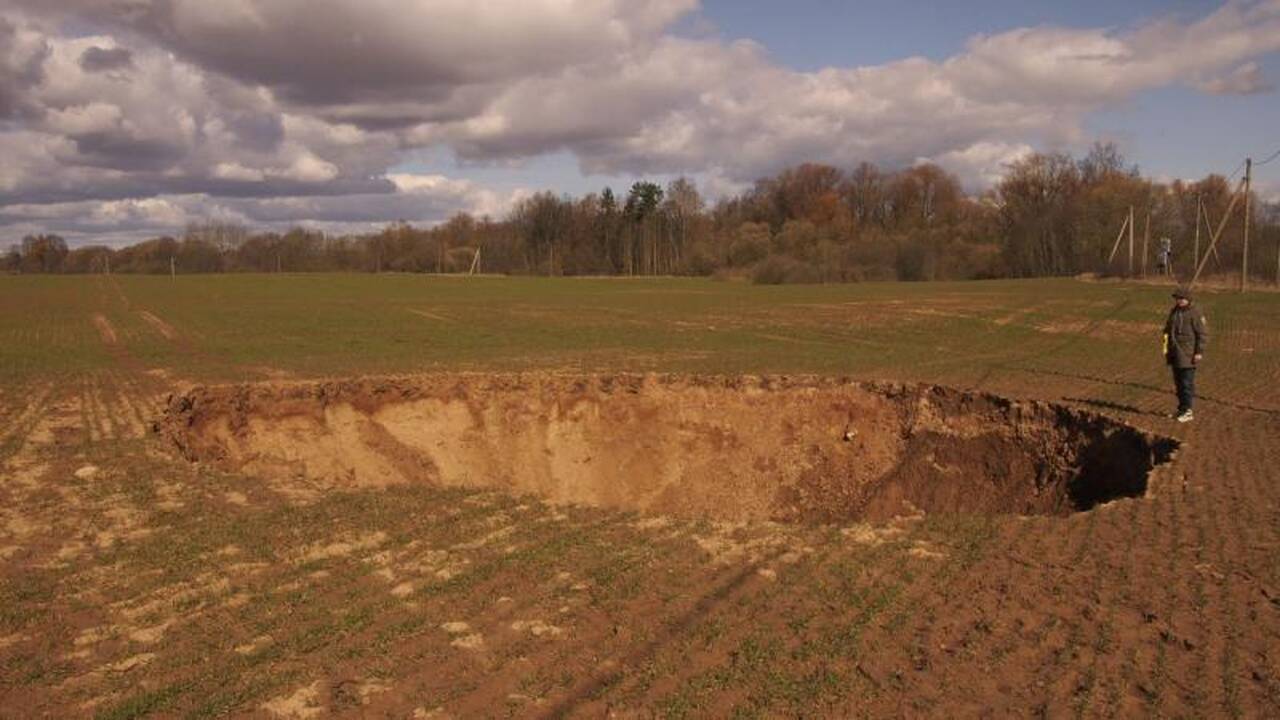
739 448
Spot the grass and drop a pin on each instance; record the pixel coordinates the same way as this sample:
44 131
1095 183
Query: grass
231 326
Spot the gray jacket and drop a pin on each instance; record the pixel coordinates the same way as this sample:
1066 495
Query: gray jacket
1188 334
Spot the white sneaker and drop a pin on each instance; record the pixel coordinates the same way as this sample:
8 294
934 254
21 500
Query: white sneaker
1187 416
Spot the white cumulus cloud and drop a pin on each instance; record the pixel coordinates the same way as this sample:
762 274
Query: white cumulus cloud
296 109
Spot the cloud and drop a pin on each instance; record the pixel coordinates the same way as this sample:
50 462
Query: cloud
156 126
22 56
982 163
1244 80
681 105
116 222
356 56
423 200
236 172
469 196
155 211
100 59
270 107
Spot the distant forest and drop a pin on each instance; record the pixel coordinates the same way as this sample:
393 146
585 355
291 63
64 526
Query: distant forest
1051 214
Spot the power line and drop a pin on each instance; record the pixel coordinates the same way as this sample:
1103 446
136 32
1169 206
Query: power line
1235 172
1270 157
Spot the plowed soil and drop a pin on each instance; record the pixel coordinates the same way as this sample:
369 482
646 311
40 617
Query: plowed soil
144 578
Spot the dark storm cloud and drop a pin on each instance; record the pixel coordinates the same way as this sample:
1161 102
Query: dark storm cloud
121 152
100 59
257 131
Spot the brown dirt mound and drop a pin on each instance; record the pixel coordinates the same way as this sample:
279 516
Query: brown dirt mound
791 449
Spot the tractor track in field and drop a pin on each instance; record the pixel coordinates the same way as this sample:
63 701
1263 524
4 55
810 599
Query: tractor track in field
1090 326
11 410
143 394
91 401
180 339
165 330
118 402
22 421
106 331
128 402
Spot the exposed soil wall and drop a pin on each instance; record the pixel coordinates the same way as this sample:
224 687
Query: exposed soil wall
792 449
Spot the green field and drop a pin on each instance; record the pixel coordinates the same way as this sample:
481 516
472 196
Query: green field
235 327
155 587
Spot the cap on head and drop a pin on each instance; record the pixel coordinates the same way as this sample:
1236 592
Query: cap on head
1182 292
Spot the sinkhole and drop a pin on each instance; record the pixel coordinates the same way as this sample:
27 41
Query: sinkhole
785 448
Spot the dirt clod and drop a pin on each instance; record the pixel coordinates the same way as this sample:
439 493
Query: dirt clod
87 472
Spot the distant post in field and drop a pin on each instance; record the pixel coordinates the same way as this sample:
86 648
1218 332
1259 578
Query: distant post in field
1244 262
1130 241
1196 254
1146 239
1115 247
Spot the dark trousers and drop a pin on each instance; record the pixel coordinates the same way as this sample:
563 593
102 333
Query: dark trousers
1184 379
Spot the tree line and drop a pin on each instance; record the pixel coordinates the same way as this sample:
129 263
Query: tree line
1051 214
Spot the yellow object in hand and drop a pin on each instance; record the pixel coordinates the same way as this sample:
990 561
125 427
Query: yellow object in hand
1164 344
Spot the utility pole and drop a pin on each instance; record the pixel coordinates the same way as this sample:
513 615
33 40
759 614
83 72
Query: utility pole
1208 225
1213 238
1146 238
1131 241
173 267
1120 236
1244 263
1199 205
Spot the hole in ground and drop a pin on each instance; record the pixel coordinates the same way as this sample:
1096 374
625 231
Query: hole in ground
789 449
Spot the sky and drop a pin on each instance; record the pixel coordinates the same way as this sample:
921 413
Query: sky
127 119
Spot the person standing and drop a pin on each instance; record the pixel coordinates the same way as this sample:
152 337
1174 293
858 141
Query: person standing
1185 335
1164 259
